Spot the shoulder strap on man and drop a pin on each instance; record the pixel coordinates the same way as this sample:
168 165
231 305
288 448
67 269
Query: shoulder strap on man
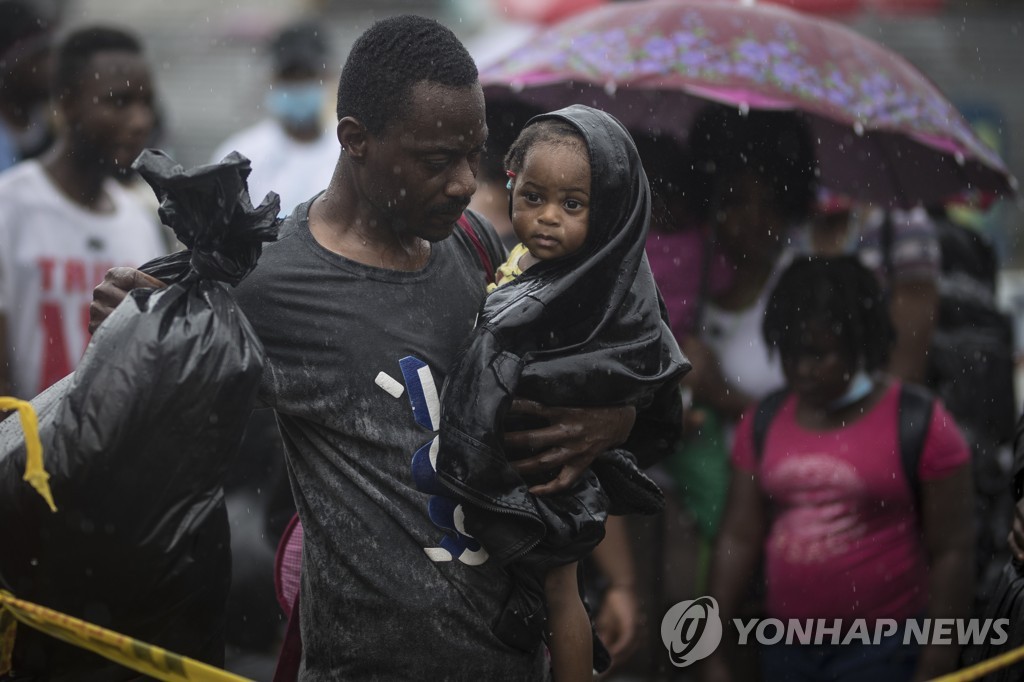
481 252
763 418
915 418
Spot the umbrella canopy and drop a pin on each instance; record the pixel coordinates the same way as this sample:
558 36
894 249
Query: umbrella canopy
845 7
543 11
884 132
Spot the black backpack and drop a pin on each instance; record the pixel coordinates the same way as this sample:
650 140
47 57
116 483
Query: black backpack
970 361
970 368
915 415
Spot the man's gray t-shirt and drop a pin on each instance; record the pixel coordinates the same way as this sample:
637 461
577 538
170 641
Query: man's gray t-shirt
356 358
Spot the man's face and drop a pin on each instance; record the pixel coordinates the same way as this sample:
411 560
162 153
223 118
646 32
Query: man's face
421 170
296 98
750 225
110 116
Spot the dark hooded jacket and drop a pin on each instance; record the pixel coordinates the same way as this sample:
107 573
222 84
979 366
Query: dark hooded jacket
589 329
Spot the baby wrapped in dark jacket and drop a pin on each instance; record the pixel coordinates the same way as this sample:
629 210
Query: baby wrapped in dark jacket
587 329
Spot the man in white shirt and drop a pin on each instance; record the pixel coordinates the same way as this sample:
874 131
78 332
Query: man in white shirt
64 220
293 152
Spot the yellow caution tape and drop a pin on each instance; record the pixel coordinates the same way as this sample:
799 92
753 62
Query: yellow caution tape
165 665
131 653
35 474
979 670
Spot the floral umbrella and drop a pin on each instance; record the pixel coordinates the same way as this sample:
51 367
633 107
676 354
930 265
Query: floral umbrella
885 133
840 7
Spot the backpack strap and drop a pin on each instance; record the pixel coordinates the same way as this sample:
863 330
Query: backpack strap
888 236
763 417
481 252
915 418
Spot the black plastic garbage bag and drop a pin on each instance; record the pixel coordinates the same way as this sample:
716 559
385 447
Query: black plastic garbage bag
137 442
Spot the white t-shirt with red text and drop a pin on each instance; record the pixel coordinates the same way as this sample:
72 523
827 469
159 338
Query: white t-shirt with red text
52 253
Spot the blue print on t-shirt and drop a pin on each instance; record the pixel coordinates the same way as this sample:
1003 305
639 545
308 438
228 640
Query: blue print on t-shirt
444 512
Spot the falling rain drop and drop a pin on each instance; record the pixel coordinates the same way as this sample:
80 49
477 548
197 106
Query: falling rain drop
744 108
610 87
959 158
858 128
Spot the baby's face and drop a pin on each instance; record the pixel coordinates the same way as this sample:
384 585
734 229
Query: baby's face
551 200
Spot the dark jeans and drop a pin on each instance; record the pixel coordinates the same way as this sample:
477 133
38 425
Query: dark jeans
888 661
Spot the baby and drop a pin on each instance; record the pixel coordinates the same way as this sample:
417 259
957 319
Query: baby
574 319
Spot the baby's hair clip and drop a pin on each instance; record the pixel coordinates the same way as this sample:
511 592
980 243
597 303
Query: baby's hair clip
511 176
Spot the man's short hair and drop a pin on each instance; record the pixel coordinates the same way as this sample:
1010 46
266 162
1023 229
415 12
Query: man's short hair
389 59
76 50
301 45
20 22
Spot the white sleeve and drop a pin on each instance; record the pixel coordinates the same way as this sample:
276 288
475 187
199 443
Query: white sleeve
237 142
5 252
219 153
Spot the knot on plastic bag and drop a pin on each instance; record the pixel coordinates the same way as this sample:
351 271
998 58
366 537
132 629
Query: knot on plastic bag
210 211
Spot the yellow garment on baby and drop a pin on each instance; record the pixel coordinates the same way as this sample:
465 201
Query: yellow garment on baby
510 269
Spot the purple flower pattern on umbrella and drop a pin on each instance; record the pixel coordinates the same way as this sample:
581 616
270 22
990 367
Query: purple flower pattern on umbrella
753 57
691 49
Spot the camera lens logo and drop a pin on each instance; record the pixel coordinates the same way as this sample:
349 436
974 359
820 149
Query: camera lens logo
691 630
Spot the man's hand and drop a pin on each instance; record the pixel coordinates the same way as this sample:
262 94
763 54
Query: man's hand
1016 538
111 291
576 436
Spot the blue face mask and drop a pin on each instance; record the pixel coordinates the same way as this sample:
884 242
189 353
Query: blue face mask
297 104
861 384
